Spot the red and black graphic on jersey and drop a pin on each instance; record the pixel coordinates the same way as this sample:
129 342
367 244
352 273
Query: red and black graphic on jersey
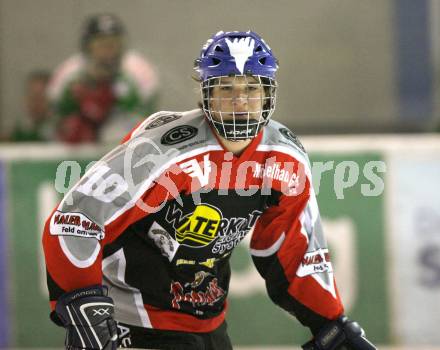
203 290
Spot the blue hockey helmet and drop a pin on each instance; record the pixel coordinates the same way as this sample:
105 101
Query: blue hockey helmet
236 53
249 60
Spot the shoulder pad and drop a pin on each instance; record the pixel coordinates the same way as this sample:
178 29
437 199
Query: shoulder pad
277 133
164 120
184 131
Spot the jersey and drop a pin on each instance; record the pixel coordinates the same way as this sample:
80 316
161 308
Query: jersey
156 220
104 111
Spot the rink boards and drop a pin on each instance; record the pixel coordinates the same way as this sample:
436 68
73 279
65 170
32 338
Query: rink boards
385 245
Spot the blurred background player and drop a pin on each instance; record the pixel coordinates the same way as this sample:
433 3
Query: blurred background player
102 92
37 124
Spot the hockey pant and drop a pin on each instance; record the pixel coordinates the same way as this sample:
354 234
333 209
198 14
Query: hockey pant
146 338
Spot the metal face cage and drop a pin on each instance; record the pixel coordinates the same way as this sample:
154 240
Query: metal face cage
238 106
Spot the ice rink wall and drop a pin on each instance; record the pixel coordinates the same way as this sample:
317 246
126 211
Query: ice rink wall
379 198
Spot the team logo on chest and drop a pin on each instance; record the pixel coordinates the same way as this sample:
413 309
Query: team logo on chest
207 224
200 227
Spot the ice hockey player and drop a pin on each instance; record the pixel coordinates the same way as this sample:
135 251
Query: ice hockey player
138 251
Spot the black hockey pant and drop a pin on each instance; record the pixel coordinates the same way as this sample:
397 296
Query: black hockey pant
145 338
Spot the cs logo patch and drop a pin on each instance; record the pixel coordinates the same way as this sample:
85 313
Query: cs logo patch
178 134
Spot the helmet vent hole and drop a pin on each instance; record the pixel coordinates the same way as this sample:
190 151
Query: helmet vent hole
215 61
259 49
262 60
218 49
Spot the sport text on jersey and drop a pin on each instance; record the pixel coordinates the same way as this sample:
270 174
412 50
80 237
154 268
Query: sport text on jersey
276 172
74 224
315 262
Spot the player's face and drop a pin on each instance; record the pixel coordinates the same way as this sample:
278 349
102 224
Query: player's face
237 97
105 52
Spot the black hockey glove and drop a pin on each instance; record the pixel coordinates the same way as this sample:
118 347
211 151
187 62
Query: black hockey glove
341 334
87 315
